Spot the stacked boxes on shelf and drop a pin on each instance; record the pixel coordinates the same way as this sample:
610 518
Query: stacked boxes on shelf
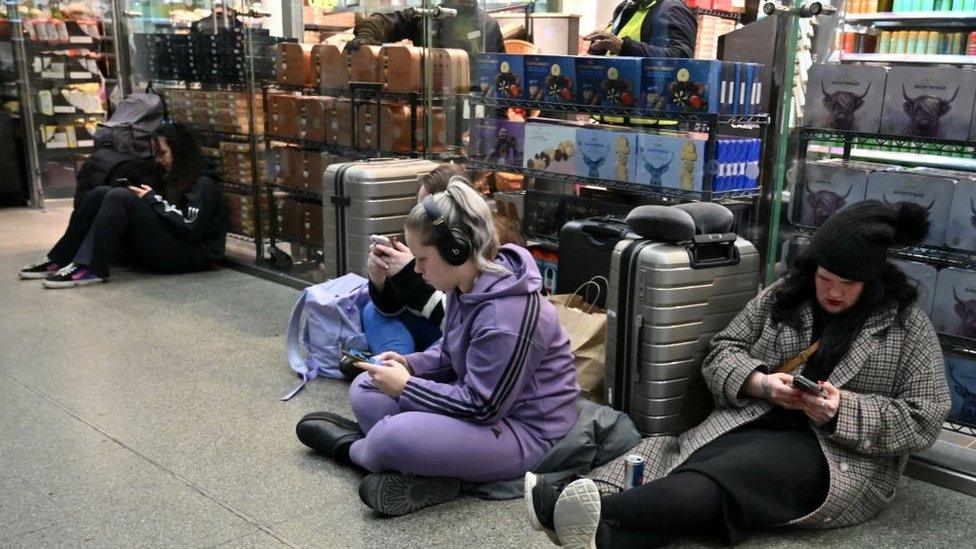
710 28
223 111
241 214
220 58
235 161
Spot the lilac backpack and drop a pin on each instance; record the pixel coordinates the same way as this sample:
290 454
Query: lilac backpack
332 321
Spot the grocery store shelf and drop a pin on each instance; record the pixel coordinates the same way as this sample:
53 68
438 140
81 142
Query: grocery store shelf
919 144
905 158
909 58
927 19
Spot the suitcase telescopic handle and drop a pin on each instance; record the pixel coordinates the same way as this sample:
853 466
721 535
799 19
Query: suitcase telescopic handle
708 251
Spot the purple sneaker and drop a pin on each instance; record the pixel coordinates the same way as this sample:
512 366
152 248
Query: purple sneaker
38 270
70 276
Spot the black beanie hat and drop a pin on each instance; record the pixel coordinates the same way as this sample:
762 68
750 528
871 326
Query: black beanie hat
853 243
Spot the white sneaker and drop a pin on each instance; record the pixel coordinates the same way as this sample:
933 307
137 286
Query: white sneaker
577 515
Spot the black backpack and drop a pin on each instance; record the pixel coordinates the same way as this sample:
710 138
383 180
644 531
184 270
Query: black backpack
126 136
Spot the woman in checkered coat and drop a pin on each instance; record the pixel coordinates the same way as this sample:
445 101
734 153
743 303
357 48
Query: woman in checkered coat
770 454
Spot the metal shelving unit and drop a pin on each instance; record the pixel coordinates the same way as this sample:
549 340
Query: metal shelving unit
718 13
908 58
927 19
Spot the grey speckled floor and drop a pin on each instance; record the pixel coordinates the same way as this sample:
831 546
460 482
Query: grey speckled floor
144 413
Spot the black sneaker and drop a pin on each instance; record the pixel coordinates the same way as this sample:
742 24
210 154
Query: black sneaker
41 269
396 494
540 502
70 276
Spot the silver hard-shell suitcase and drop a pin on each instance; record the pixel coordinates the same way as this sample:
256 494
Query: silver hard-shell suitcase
362 199
665 303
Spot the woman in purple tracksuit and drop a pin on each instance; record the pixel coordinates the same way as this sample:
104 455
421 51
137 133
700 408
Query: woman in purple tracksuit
487 401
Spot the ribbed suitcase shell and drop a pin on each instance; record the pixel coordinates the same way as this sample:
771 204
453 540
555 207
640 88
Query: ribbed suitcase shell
661 315
361 199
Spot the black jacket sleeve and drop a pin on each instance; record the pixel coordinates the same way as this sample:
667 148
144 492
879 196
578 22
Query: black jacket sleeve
389 27
407 290
669 30
201 210
493 36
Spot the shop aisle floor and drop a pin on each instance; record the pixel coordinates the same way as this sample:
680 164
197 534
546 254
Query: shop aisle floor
144 413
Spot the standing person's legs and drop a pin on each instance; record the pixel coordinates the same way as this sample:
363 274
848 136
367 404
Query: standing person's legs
369 405
78 226
434 445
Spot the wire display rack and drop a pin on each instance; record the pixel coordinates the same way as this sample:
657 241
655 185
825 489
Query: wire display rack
297 192
850 139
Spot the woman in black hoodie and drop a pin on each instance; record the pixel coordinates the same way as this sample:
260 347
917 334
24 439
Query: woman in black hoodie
180 227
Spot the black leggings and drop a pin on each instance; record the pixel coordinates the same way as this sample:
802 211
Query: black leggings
114 218
657 513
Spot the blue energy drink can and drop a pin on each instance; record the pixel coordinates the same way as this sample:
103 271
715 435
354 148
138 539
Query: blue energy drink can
633 471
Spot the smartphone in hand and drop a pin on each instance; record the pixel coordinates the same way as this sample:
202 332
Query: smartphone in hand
381 239
353 355
807 386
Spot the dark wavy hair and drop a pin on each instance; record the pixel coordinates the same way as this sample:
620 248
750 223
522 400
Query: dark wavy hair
799 287
187 159
436 181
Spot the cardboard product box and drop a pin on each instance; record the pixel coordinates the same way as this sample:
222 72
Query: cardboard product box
827 188
550 147
313 165
961 227
924 278
290 222
609 81
285 166
606 153
393 130
501 75
934 193
452 72
312 221
364 64
682 85
312 123
339 122
954 307
294 65
400 68
935 102
330 67
845 97
961 376
676 161
550 78
484 139
284 110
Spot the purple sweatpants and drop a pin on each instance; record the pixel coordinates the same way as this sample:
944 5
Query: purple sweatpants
427 444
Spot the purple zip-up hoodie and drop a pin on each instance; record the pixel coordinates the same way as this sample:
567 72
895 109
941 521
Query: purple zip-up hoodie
503 356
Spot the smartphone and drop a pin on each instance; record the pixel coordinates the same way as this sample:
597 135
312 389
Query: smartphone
357 356
123 182
389 241
806 385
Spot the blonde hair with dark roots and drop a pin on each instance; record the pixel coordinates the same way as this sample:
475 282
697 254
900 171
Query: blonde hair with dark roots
468 216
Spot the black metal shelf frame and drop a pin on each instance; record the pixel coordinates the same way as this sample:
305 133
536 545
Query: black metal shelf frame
850 139
718 13
295 192
237 188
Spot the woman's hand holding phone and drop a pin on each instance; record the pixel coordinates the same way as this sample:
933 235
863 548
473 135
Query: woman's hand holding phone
140 191
394 257
820 409
390 377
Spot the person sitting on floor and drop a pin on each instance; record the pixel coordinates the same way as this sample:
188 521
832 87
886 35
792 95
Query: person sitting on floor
487 401
771 454
180 228
404 312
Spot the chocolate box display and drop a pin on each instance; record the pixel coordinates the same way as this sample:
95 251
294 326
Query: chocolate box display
501 141
682 85
605 153
364 63
284 110
313 119
285 165
294 65
392 131
339 122
550 78
400 68
961 376
924 278
845 97
452 73
961 225
550 147
501 75
330 67
935 102
676 161
827 187
954 307
934 193
609 81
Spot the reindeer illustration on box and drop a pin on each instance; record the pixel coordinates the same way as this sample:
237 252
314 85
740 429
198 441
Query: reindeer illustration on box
967 410
657 172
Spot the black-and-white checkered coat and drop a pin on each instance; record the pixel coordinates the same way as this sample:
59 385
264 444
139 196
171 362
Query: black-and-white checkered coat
893 402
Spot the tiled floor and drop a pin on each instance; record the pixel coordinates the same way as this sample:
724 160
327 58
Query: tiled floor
144 413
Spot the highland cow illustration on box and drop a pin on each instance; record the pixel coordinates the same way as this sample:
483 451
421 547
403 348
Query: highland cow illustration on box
924 278
845 97
961 228
961 375
827 188
931 102
954 307
933 193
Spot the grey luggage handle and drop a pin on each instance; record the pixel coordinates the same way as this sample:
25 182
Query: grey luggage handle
708 251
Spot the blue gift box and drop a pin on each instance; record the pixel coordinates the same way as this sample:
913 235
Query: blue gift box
609 81
501 75
550 78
